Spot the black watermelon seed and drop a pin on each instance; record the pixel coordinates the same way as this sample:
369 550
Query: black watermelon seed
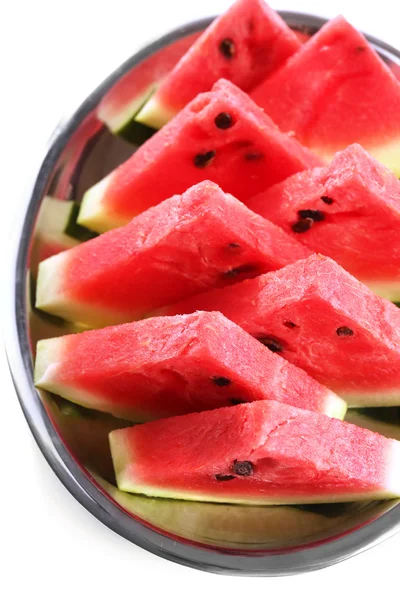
360 49
271 343
236 401
234 245
227 48
344 331
302 225
224 120
244 468
204 159
221 381
221 477
315 215
326 199
238 271
253 156
289 324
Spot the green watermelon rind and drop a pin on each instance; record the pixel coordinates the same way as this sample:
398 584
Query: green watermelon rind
371 398
122 460
389 430
232 526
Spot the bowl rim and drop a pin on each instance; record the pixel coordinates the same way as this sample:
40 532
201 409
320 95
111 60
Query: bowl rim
75 478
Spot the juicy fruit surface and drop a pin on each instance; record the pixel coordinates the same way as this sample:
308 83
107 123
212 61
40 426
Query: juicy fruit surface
356 205
244 45
265 452
185 245
315 94
323 320
127 96
244 158
170 366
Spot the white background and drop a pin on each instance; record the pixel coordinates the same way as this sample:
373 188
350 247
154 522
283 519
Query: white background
52 55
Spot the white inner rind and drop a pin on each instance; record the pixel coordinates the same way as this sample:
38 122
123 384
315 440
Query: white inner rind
50 275
125 484
52 220
335 406
392 482
117 119
92 213
153 114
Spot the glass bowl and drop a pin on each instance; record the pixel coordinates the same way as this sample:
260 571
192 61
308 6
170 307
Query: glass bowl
252 540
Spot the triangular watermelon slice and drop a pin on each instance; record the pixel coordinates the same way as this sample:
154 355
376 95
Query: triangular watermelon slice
221 135
349 211
319 317
185 245
336 91
173 365
245 45
260 453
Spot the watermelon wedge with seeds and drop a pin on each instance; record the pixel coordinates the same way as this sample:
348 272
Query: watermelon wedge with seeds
185 245
173 365
259 453
320 318
244 45
335 91
349 211
221 135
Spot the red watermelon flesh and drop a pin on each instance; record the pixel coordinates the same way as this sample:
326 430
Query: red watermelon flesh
245 45
259 453
336 91
128 95
173 365
320 318
187 244
356 205
244 158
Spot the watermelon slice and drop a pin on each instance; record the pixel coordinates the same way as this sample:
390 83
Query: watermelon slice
323 320
221 135
169 366
245 45
349 211
119 106
336 91
185 245
261 453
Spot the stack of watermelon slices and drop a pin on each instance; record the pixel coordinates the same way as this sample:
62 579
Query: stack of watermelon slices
224 328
